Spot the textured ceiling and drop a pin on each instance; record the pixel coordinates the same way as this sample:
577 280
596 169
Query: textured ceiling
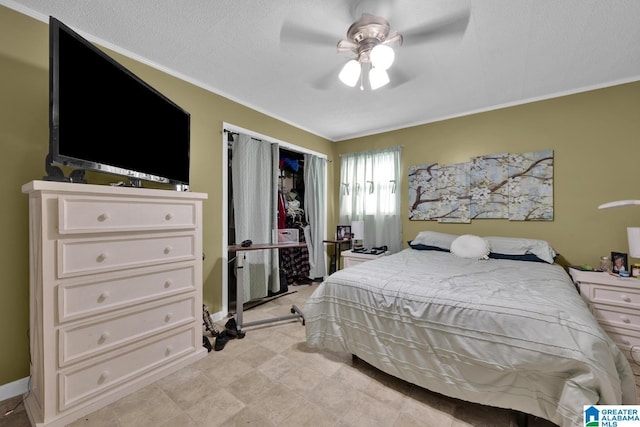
511 52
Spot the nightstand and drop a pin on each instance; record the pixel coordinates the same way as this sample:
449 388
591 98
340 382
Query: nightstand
615 303
353 258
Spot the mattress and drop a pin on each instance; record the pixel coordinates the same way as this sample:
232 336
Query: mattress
505 333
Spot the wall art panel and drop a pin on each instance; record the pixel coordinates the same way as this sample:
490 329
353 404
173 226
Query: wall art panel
518 187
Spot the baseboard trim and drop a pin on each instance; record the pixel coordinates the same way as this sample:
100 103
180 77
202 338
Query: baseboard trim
18 387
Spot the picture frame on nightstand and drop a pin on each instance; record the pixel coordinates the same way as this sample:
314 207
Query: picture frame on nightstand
343 232
619 261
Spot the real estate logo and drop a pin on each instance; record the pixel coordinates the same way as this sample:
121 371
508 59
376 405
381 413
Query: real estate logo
592 417
611 416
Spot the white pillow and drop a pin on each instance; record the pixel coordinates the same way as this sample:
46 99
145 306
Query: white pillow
470 246
433 238
520 246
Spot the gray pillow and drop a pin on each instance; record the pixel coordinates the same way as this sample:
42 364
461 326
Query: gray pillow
434 239
521 246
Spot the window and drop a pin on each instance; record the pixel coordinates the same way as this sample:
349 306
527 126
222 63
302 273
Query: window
369 191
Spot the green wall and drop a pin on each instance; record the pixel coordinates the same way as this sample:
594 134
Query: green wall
24 136
593 135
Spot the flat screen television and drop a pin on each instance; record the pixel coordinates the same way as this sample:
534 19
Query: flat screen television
104 118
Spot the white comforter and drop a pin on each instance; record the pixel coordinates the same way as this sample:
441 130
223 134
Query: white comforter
511 334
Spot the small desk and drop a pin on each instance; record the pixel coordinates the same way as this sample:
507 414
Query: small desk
239 250
335 258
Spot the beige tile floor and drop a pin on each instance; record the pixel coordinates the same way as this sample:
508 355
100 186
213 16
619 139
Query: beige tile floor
270 378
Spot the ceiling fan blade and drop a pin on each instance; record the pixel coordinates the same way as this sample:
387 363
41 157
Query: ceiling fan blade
450 26
398 77
328 80
394 38
347 46
382 8
295 33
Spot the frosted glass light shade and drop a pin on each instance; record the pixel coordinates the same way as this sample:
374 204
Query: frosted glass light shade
350 73
633 236
382 56
357 229
378 78
619 203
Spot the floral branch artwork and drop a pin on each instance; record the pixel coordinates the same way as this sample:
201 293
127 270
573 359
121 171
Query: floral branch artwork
531 186
488 179
509 186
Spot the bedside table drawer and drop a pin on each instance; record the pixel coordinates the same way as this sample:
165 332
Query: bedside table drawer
624 339
617 296
351 258
616 316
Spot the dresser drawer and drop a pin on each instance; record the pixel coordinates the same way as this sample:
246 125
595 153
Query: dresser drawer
88 256
616 316
78 384
625 339
78 214
623 297
110 291
85 340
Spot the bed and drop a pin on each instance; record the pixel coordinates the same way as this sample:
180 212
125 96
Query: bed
505 328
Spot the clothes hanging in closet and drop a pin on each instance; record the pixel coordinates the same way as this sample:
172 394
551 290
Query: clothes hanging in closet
294 262
282 210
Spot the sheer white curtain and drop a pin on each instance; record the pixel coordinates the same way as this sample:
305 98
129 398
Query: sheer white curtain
315 212
253 179
370 191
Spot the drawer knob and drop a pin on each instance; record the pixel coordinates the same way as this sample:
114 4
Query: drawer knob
101 257
168 317
167 250
104 337
625 319
103 296
103 376
103 217
625 298
168 283
168 216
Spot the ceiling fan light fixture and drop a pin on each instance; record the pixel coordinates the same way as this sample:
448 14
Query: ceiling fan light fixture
350 73
378 78
382 56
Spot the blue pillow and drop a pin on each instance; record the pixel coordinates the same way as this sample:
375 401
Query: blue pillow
421 247
525 257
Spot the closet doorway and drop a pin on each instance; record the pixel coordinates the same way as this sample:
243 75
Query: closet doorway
282 205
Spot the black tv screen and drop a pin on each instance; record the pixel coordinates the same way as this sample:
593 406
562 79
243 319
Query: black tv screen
104 118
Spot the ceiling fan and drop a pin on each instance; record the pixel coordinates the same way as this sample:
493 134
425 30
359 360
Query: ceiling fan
371 40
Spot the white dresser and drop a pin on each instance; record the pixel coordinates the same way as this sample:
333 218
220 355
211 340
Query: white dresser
115 293
615 303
